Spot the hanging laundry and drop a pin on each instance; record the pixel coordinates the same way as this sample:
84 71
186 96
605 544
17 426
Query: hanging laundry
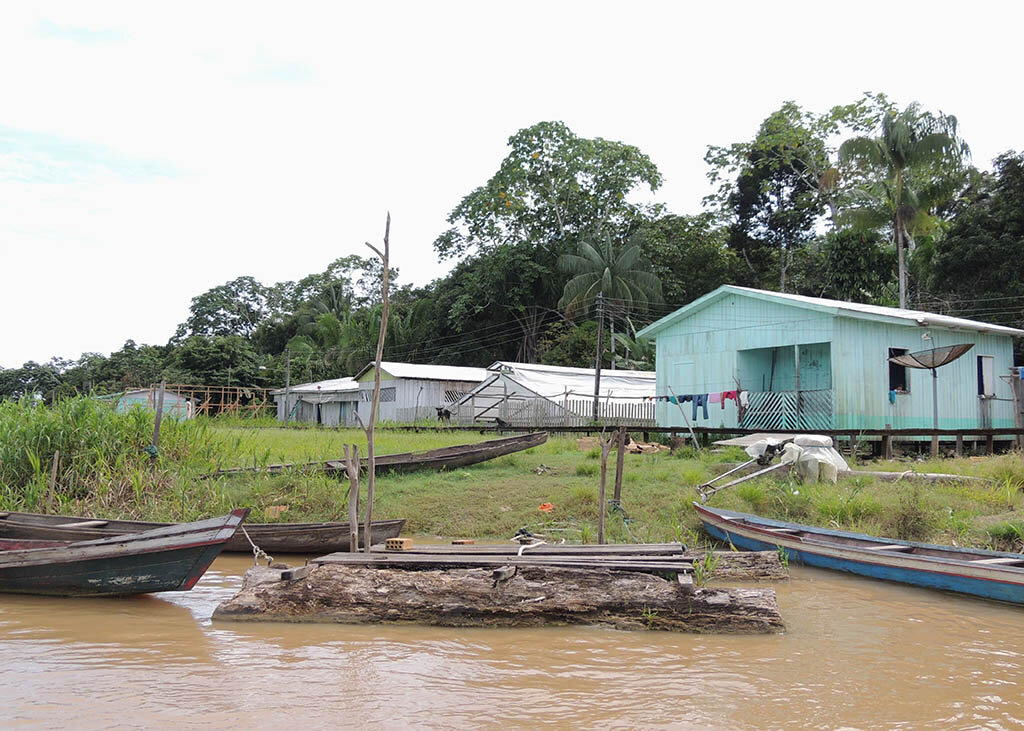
715 398
672 399
744 399
734 395
700 399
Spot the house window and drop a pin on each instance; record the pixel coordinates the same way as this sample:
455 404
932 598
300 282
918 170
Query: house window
898 380
986 375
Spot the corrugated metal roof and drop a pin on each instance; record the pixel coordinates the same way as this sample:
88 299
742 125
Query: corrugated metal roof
419 371
513 367
556 381
837 307
334 385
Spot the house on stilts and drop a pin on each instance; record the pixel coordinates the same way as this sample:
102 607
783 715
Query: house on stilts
817 364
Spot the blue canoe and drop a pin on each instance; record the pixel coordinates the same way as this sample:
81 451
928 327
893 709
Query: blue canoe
989 574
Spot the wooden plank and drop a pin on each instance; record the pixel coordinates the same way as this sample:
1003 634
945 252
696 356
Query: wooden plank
413 562
563 549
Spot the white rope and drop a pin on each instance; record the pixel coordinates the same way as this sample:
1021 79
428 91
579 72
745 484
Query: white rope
256 550
530 545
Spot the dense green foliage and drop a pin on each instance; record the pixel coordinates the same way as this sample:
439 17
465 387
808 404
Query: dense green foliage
821 204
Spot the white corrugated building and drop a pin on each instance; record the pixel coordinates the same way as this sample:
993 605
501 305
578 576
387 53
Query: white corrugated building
530 394
414 392
330 403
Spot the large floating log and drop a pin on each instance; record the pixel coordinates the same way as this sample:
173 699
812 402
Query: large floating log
531 596
734 565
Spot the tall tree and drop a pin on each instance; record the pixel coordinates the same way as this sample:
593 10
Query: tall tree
689 254
978 266
553 188
909 168
618 275
233 308
773 191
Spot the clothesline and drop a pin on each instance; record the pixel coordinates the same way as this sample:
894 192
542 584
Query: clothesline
742 399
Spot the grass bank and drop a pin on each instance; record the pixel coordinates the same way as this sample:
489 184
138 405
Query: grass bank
104 471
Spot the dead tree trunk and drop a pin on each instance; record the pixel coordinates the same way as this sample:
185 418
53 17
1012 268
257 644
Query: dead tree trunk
385 311
530 597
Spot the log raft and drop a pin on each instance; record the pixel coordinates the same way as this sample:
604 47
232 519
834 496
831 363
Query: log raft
517 596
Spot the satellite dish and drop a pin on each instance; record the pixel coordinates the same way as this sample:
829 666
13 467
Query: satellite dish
933 358
930 360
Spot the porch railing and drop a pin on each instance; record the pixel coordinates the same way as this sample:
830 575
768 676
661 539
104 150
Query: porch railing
811 410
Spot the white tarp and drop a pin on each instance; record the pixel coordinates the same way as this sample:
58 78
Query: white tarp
812 456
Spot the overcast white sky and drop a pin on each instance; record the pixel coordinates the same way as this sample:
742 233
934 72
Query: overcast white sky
151 151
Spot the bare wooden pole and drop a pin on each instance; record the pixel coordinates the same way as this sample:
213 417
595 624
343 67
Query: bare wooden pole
620 462
606 447
370 458
156 426
352 467
53 482
600 351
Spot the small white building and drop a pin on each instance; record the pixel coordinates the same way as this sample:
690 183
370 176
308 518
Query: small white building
329 403
530 394
414 392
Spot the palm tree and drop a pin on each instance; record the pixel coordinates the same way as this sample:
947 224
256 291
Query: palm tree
915 151
617 277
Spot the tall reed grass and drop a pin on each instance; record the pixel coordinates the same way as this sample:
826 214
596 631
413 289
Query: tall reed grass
100 453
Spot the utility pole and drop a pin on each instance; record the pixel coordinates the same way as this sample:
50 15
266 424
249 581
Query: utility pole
600 349
287 385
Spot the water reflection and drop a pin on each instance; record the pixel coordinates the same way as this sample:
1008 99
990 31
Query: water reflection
856 652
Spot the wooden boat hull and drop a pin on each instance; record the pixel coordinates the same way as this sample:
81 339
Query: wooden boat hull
975 572
444 458
170 558
271 537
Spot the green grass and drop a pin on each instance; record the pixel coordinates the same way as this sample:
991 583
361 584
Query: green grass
103 471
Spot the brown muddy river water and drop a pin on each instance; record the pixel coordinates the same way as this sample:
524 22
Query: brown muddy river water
857 654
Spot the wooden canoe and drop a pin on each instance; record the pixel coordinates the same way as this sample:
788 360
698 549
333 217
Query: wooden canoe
169 558
271 537
443 458
977 572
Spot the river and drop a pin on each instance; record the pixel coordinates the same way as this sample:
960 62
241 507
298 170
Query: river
857 654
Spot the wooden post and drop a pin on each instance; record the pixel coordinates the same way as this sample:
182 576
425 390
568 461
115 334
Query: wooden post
156 426
287 385
600 349
887 443
959 444
53 482
990 444
1015 393
619 465
370 458
606 447
352 467
853 447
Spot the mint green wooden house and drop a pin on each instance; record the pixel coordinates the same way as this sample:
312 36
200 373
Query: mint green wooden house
817 364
